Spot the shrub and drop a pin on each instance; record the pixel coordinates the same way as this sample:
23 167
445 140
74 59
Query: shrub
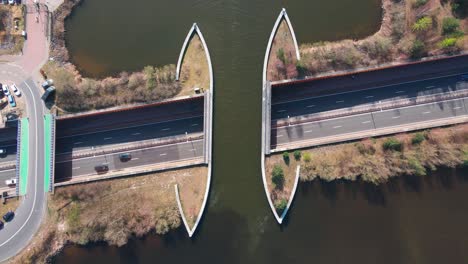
418 138
416 166
450 25
423 24
392 144
418 49
297 155
419 3
281 205
280 55
448 43
277 177
307 157
286 157
301 69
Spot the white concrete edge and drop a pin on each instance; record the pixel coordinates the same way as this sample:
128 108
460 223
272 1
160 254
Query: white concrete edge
191 231
264 82
182 215
298 54
293 193
182 51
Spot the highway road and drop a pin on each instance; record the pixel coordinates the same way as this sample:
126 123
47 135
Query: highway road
371 96
141 157
131 134
368 121
6 175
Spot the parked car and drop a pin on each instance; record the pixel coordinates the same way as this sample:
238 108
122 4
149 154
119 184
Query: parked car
5 89
3 152
15 90
1 225
8 216
18 2
11 100
11 182
125 157
3 102
103 168
11 2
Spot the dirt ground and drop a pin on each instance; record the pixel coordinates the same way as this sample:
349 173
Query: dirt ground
192 190
282 64
114 210
289 176
11 40
194 72
10 205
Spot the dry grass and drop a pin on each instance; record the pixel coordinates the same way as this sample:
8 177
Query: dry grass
11 205
11 40
191 191
282 59
112 211
367 159
194 72
392 43
284 193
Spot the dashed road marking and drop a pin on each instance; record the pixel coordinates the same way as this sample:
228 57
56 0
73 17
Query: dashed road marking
366 122
395 117
107 138
456 108
337 126
136 134
75 168
425 113
429 87
398 92
194 124
280 111
310 106
77 143
163 154
279 136
165 129
308 131
370 96
341 101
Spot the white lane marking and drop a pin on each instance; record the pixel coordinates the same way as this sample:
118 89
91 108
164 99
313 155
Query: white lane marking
398 92
165 129
280 111
135 159
76 143
308 131
366 122
279 136
395 117
425 113
341 101
370 96
163 154
76 168
310 106
124 151
194 124
192 149
337 126
456 108
105 163
136 134
429 87
107 138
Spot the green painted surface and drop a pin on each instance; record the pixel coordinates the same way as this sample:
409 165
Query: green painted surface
24 156
47 151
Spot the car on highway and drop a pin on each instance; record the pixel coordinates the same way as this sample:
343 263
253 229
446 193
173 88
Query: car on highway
125 157
5 89
8 216
3 152
11 182
103 168
11 100
15 90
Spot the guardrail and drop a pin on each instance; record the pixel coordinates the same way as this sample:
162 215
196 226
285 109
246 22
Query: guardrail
49 153
374 108
18 151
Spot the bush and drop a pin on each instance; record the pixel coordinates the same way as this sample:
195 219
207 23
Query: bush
297 155
281 205
286 157
280 55
278 177
418 49
448 43
307 157
392 144
416 166
450 25
419 3
418 138
423 24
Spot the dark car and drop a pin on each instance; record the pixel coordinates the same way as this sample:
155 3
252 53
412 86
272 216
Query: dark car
101 168
464 77
18 2
1 225
8 216
125 157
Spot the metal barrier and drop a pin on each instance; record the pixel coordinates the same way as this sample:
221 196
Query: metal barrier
18 150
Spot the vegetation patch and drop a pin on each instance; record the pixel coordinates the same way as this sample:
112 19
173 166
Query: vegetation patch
194 72
410 30
11 27
377 160
112 211
10 205
282 59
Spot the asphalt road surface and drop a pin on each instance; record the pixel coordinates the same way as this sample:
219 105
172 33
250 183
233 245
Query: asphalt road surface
369 121
372 96
130 134
147 156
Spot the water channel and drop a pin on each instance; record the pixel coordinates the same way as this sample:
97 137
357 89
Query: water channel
409 220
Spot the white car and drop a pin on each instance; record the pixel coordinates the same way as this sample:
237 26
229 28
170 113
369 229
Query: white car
15 90
11 2
5 89
11 182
